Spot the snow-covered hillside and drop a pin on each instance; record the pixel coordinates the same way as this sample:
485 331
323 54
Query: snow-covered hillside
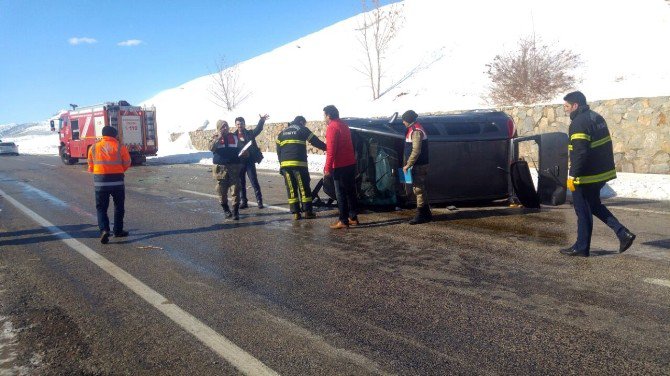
443 48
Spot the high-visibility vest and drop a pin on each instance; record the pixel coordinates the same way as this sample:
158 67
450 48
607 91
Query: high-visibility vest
423 157
108 160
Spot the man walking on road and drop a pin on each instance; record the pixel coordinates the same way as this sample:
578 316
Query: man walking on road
416 158
341 164
108 160
292 154
248 163
591 166
226 148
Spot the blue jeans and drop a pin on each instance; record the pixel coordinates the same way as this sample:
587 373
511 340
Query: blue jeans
586 200
102 204
249 168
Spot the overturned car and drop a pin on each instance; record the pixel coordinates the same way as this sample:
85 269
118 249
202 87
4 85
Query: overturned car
473 157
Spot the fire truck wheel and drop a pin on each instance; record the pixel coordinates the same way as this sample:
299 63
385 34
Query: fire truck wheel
65 157
138 161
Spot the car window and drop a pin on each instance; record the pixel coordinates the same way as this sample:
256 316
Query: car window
459 129
431 129
7 144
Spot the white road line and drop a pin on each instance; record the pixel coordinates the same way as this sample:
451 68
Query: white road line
639 210
656 281
279 208
46 164
233 354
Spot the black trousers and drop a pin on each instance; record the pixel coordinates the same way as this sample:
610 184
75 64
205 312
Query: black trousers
249 168
586 200
345 192
297 188
102 204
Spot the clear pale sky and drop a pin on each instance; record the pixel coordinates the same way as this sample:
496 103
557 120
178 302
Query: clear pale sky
54 53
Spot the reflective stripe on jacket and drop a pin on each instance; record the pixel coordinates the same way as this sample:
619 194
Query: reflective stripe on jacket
590 148
292 145
108 160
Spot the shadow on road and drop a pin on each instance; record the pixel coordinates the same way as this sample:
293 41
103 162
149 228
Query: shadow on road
43 234
663 243
229 224
478 214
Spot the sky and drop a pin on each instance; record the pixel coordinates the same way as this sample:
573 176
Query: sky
85 52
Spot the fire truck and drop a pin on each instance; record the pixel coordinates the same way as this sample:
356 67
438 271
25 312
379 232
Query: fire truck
81 127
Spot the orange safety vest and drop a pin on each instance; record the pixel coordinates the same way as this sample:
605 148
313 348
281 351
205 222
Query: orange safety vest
108 157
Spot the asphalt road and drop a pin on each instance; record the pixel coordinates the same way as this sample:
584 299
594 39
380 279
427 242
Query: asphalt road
481 290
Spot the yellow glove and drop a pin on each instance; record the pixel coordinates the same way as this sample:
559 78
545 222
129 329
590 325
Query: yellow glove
571 183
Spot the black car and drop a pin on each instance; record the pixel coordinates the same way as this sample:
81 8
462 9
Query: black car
473 157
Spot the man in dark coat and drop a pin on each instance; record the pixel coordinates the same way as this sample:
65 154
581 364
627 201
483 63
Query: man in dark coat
248 163
591 166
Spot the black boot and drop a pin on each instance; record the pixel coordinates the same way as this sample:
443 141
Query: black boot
626 239
260 203
236 212
428 213
226 210
422 216
244 204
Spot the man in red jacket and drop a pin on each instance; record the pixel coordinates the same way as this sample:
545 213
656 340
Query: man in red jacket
341 164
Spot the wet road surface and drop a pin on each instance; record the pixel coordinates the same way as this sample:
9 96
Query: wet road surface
481 290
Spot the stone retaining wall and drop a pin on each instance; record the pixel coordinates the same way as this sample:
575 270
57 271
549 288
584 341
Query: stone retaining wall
640 129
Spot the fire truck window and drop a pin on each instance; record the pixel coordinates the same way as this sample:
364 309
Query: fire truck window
75 129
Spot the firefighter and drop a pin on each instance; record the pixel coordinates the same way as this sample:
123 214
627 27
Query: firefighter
591 165
108 160
292 154
416 158
226 148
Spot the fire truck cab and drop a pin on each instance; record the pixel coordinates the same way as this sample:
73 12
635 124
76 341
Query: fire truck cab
81 127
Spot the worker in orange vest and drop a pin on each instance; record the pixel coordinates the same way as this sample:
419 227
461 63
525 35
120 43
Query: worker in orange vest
108 160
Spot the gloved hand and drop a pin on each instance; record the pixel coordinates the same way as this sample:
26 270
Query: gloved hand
571 183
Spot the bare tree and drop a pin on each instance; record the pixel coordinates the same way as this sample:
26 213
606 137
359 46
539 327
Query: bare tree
531 73
376 30
227 89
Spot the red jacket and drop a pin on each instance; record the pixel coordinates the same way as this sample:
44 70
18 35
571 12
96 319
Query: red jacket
339 148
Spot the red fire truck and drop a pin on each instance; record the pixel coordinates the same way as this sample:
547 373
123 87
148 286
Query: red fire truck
81 127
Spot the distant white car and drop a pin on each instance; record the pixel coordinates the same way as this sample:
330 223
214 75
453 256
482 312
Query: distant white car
8 148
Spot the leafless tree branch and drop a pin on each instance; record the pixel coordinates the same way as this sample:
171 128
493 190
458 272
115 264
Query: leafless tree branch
531 73
378 27
227 89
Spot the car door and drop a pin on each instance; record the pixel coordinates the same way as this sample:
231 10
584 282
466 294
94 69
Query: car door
553 167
